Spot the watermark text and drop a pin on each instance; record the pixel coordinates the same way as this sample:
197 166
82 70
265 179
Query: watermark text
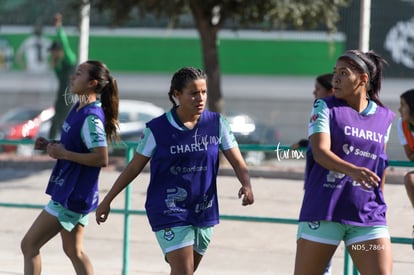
284 154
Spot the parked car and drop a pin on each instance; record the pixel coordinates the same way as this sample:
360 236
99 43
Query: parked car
31 122
22 123
247 131
133 114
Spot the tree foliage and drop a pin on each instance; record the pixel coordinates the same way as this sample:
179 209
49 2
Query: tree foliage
210 16
272 14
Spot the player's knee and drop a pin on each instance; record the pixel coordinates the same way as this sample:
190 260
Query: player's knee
72 252
27 248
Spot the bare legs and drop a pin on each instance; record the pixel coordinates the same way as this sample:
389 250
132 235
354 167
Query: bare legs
43 229
312 258
183 261
72 243
373 257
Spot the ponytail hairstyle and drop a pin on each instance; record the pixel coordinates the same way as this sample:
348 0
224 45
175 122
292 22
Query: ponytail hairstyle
370 63
181 78
107 89
408 96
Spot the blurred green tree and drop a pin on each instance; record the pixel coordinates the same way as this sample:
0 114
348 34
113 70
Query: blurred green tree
210 16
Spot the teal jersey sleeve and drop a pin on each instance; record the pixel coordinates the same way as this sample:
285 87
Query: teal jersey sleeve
319 118
227 138
93 132
146 144
400 132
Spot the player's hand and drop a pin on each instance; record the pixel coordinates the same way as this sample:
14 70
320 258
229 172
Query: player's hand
365 177
102 213
40 143
57 20
56 150
246 194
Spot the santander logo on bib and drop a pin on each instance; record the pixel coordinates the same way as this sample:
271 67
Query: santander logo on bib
347 149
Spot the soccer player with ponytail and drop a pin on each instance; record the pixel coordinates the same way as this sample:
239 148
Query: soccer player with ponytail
80 154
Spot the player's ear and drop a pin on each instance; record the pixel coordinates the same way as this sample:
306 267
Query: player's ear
93 83
364 78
